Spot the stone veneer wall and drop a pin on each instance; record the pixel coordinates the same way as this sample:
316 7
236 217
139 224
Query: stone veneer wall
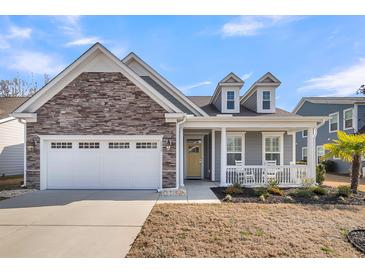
101 104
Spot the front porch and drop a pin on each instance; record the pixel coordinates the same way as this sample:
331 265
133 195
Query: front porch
252 155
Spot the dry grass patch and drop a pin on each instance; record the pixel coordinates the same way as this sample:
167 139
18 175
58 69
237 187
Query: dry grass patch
248 230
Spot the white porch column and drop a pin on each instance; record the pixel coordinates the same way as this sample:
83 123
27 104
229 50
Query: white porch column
223 155
311 152
213 157
181 155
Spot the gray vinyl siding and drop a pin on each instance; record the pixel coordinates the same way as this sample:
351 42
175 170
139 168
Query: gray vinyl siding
166 94
323 134
361 116
251 102
217 155
11 148
253 148
288 149
218 102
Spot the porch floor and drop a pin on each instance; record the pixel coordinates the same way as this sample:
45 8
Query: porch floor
197 191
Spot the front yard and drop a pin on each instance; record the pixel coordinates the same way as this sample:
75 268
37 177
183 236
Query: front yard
248 230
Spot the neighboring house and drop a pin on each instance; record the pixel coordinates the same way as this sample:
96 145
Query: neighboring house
344 113
11 138
105 123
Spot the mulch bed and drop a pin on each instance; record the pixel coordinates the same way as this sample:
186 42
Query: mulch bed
249 195
357 238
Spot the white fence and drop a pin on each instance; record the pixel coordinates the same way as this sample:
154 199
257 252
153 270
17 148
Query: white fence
254 176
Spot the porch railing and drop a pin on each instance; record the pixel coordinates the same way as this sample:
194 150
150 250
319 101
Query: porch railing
287 175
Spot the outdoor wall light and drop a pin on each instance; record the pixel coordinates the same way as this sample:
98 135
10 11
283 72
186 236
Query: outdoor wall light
168 145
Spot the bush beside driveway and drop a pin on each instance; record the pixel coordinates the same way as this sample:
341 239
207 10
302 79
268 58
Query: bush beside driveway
248 230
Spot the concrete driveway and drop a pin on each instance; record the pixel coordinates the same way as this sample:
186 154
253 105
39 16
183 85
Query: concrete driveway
73 223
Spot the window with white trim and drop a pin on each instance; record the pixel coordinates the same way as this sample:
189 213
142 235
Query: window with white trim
146 145
118 145
272 148
234 149
61 145
266 100
347 118
304 153
305 133
89 145
320 153
230 100
333 122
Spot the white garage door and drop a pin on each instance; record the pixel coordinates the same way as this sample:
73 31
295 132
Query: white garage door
101 164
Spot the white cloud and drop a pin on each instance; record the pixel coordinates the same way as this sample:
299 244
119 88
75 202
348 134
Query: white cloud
34 62
341 83
83 41
69 25
251 25
245 76
16 32
196 85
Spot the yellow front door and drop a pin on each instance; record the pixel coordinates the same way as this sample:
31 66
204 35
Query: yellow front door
193 158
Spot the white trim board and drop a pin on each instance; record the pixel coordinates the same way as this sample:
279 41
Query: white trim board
84 64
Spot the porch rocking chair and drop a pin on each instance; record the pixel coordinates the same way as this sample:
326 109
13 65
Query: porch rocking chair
270 172
244 175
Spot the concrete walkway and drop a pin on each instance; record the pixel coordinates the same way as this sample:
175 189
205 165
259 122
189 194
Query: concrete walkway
197 191
82 223
73 223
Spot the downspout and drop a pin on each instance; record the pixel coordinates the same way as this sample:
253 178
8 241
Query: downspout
178 175
25 153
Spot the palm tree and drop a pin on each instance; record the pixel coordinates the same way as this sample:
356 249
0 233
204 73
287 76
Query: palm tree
350 148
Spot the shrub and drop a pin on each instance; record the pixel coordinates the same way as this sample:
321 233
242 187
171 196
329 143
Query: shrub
272 183
329 165
318 190
228 198
233 190
320 173
344 191
260 191
303 193
275 191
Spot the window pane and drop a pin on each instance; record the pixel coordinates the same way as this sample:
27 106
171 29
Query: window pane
230 104
266 95
348 123
305 133
334 127
234 144
266 105
272 144
230 95
232 157
273 157
348 114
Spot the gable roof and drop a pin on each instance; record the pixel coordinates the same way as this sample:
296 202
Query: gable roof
9 104
96 58
175 95
329 100
230 80
268 79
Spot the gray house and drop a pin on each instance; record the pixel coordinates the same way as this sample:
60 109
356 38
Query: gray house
344 113
106 123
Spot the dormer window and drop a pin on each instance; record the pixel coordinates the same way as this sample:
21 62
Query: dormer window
266 100
230 100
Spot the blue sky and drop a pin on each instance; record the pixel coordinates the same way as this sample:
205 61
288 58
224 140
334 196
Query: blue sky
311 55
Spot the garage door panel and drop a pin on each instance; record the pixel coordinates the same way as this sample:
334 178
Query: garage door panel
104 167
